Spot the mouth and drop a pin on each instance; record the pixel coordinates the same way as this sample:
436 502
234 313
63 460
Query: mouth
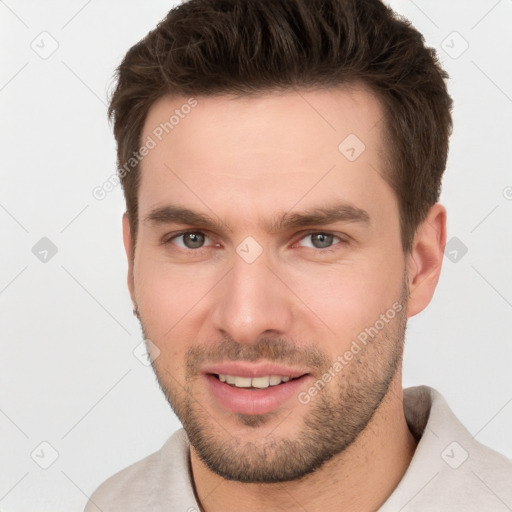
263 382
249 388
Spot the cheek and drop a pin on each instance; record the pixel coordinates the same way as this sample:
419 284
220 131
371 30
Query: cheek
171 301
343 300
163 289
162 313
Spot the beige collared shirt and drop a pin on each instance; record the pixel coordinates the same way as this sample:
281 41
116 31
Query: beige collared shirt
450 471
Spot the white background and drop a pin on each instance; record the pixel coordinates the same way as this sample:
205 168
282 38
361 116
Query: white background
68 375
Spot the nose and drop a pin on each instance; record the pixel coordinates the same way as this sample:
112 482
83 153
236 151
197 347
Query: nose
252 301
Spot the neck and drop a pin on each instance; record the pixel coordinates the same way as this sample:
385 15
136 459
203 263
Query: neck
360 478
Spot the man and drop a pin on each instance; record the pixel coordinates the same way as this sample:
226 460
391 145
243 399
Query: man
281 163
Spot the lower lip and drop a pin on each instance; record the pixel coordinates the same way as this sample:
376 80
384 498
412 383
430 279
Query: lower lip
254 401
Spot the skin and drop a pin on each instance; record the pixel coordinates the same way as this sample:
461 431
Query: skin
245 162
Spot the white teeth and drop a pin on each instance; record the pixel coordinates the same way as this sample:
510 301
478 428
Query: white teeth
243 382
256 382
260 382
275 380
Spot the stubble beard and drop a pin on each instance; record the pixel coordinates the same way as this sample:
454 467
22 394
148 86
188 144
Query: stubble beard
336 416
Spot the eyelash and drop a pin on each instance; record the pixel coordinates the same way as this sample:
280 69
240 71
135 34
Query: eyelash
168 239
342 239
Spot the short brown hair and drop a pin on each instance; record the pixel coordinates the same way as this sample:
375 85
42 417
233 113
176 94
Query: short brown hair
242 47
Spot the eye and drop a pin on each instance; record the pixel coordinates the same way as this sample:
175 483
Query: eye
319 240
190 240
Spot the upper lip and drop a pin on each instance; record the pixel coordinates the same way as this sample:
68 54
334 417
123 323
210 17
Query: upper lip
252 369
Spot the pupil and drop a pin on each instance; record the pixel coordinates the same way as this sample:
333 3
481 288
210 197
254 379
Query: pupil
321 240
193 240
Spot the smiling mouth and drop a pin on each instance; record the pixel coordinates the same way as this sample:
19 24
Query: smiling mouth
262 382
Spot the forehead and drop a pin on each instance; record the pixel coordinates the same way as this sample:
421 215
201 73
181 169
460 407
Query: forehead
277 148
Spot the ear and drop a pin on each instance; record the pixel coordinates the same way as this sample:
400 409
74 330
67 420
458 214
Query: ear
128 242
425 259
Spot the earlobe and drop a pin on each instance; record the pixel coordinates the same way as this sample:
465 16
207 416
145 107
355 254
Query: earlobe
425 259
127 241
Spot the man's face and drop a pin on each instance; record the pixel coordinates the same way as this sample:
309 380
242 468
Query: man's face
268 245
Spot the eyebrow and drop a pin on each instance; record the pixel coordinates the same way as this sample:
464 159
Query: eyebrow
172 214
321 216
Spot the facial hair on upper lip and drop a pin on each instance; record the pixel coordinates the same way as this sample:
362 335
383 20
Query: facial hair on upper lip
331 423
275 350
